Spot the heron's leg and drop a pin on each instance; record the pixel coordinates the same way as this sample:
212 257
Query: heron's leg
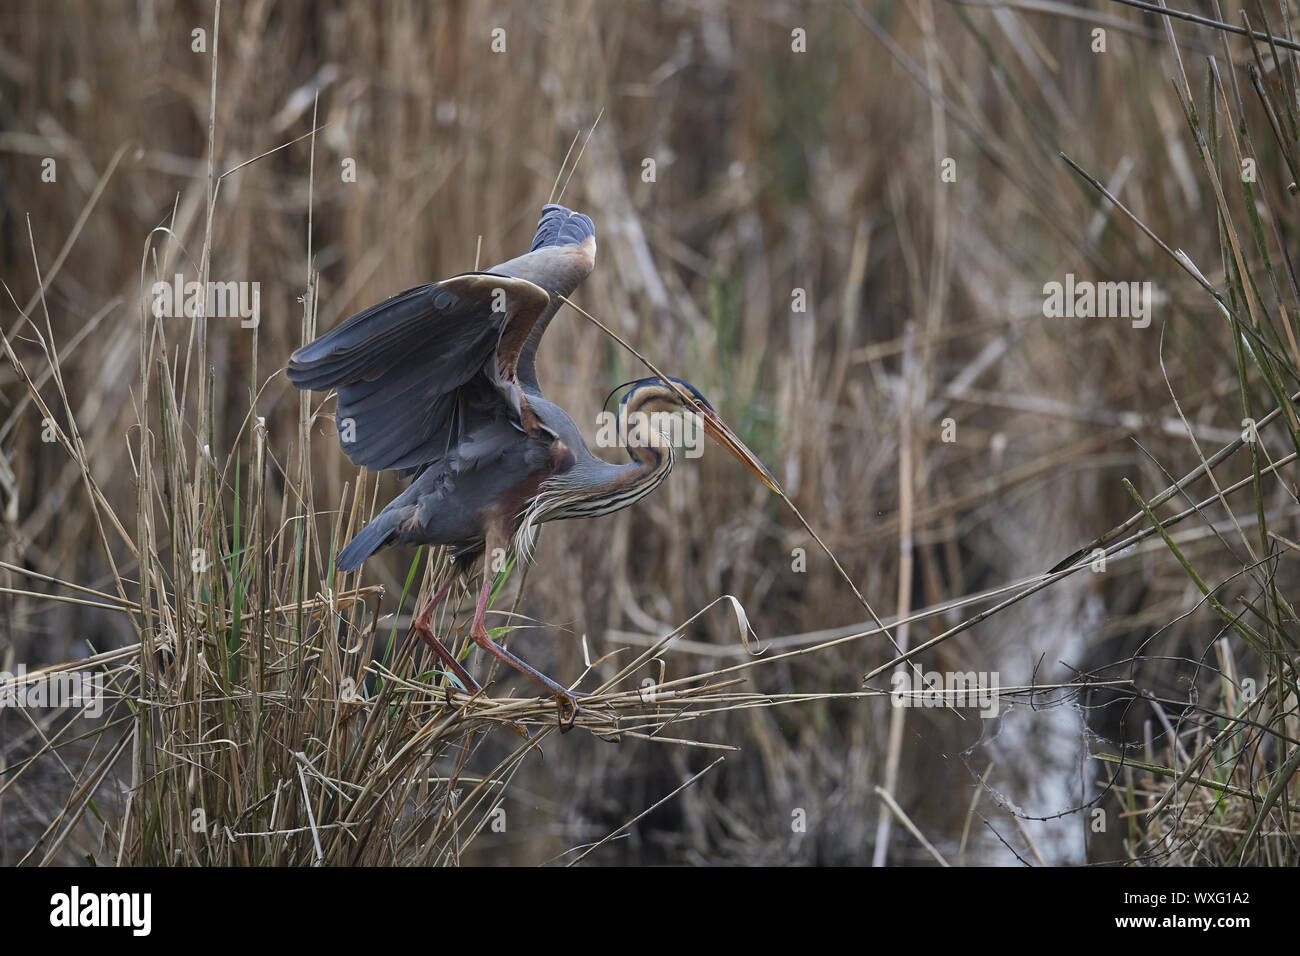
478 631
423 628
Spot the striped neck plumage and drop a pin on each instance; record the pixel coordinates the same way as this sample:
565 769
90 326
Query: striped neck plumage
560 497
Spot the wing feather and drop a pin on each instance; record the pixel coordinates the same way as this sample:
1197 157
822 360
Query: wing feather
398 365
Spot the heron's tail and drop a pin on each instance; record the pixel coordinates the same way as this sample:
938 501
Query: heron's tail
367 541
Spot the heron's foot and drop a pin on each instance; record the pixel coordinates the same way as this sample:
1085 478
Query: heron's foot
569 700
476 692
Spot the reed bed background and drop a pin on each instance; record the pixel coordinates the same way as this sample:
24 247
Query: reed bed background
873 328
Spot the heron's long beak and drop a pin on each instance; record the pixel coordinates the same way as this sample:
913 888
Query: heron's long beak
724 436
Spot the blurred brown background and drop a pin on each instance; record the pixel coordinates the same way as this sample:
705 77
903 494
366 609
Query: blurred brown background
775 171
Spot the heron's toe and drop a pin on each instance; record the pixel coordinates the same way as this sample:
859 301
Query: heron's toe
568 706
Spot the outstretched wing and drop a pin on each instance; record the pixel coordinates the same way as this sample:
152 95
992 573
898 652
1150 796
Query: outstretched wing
562 255
399 365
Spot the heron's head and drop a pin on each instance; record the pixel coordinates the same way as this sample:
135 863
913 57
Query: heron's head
650 396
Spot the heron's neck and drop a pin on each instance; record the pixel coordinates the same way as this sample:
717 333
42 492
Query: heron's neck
606 487
597 487
651 450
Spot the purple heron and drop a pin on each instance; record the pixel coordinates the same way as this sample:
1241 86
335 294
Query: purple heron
439 382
